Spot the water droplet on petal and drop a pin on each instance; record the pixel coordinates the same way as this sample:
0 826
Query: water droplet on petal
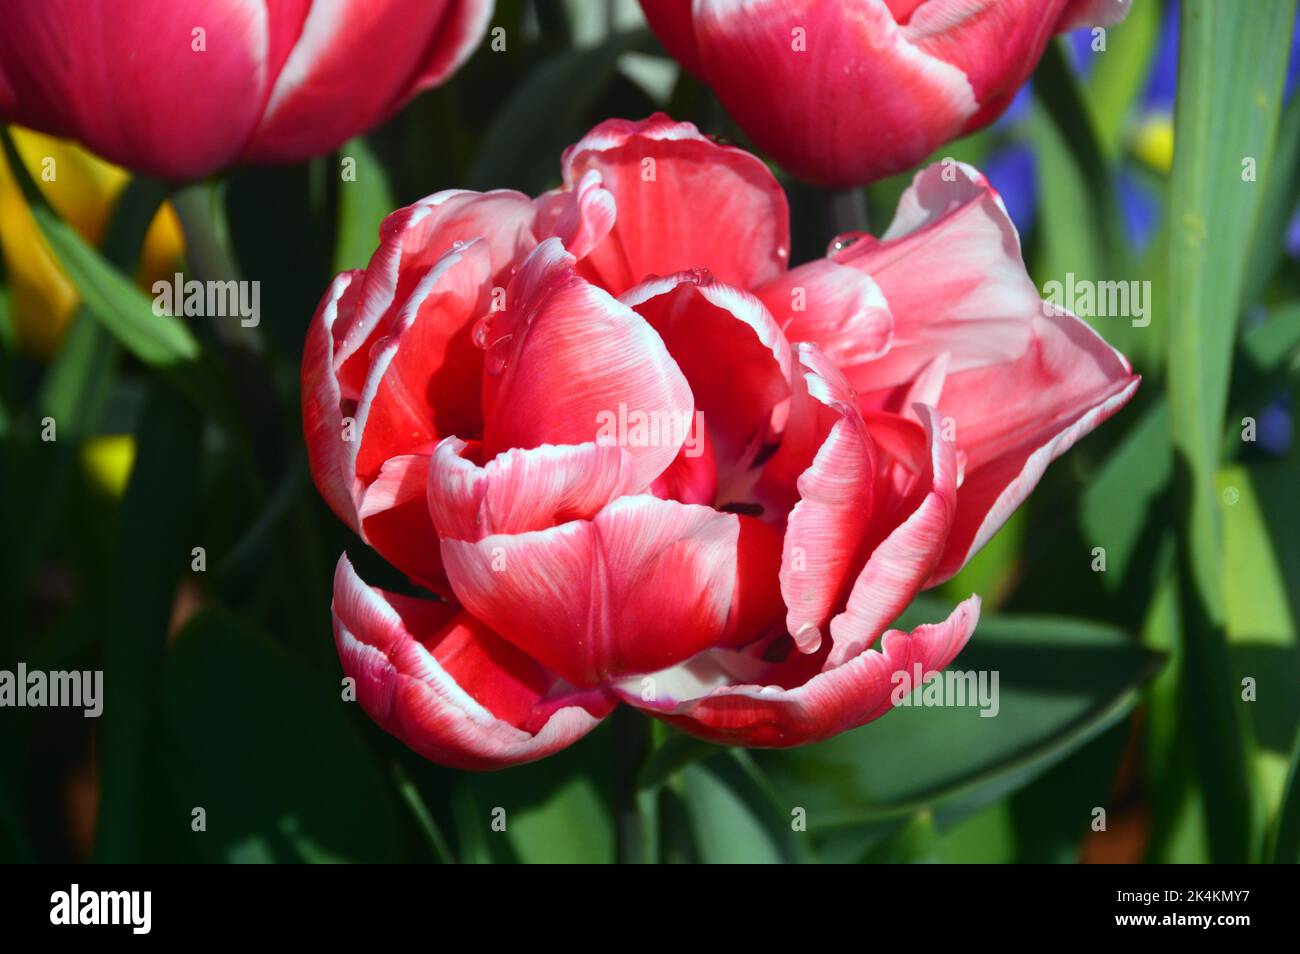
480 333
498 356
844 240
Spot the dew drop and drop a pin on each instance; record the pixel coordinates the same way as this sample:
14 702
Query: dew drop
844 240
480 333
498 356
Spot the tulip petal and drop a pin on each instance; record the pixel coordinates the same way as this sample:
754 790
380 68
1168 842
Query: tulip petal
730 350
775 715
423 382
644 584
683 202
777 64
1013 420
566 359
1083 13
671 22
903 560
523 490
828 525
355 63
329 454
448 687
194 98
838 308
412 240
950 268
395 521
580 217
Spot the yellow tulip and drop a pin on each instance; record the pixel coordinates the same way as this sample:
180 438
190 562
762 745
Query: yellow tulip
82 188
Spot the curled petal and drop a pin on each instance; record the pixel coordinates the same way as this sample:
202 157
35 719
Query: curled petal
411 241
904 550
830 702
565 360
683 202
328 452
644 584
447 686
523 490
1012 421
395 521
580 216
827 527
730 350
950 268
838 308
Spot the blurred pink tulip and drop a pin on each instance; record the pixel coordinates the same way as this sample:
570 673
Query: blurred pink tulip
644 461
844 92
181 88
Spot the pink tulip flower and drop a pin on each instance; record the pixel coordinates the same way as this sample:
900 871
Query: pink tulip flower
181 88
646 462
844 92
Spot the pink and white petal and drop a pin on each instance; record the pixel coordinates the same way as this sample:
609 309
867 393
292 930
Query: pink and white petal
565 358
397 46
423 382
826 528
831 702
671 22
411 240
951 270
579 216
905 556
1084 13
523 490
329 453
730 350
778 90
1012 421
66 64
459 35
838 308
645 584
395 522
447 686
683 202
995 43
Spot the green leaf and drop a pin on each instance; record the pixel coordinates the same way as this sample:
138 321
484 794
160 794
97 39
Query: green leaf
1121 72
546 112
153 549
161 342
732 818
1060 684
268 754
363 203
1285 848
1231 66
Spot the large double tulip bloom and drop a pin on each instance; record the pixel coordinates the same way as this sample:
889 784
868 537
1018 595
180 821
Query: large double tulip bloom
645 462
843 92
182 88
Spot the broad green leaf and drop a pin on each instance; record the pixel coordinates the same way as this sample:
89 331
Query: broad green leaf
1268 243
1231 64
1120 73
1260 512
732 821
363 202
269 755
153 550
161 342
1060 684
913 843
